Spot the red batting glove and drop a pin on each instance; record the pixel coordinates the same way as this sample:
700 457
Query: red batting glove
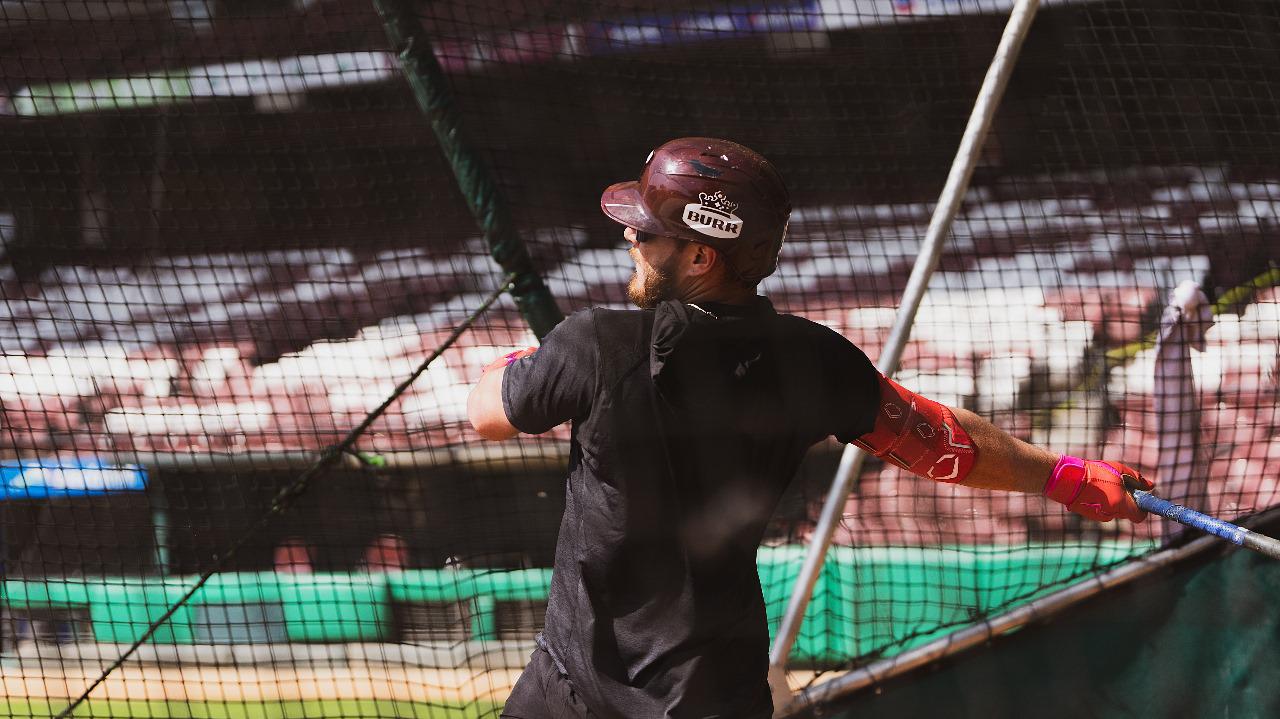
1096 489
510 357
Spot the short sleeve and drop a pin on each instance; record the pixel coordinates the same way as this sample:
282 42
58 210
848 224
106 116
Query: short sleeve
556 383
855 389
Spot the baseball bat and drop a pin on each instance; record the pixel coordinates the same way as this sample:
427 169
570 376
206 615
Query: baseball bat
1233 533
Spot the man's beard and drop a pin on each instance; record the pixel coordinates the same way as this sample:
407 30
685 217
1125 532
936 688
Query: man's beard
659 285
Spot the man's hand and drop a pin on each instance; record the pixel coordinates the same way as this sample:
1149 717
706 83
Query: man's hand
1096 489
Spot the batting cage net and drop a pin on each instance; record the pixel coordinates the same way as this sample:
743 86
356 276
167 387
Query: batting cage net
232 229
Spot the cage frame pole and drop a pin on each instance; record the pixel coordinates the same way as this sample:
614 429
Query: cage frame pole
413 48
957 184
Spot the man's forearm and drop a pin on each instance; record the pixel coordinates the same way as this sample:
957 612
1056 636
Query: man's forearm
1095 489
1004 461
956 446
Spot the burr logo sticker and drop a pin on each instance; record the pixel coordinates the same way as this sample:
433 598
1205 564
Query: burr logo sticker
713 216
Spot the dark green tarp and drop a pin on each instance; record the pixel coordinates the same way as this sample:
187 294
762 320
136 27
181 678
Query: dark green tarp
1201 639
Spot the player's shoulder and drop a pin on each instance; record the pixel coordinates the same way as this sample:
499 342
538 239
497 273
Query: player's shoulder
606 318
605 326
805 328
618 316
826 343
827 349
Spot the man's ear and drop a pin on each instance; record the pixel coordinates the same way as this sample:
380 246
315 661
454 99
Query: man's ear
704 259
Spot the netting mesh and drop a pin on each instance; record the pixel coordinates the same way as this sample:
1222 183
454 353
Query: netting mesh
227 233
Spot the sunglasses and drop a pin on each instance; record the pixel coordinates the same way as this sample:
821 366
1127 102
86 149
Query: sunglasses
643 237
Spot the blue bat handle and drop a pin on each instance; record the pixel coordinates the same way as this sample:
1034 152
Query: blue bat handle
1190 517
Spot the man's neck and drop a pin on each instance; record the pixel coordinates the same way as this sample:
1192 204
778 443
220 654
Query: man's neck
720 294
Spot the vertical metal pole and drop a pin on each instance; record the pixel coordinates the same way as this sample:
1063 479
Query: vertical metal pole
160 528
487 203
953 192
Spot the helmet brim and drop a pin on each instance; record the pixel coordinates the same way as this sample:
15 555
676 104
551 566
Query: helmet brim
621 203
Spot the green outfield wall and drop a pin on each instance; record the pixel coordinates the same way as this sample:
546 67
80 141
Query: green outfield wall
930 591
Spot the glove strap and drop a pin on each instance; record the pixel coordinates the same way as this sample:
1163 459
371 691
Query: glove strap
507 359
1066 480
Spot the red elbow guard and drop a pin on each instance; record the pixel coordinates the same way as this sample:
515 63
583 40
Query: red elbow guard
919 435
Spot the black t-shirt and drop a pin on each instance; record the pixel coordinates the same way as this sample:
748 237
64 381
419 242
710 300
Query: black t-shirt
688 424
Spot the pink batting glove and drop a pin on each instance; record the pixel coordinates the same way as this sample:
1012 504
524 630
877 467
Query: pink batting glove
1096 489
506 359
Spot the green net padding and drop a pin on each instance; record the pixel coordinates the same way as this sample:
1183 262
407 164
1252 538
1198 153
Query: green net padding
228 231
1192 641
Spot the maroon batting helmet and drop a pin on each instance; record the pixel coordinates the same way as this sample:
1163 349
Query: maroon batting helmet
715 192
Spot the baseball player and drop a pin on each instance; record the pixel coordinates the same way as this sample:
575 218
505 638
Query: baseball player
690 417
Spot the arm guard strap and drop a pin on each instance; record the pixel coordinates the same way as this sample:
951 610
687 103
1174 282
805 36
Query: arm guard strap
919 435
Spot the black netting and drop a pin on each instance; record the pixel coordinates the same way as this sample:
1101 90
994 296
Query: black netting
227 232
